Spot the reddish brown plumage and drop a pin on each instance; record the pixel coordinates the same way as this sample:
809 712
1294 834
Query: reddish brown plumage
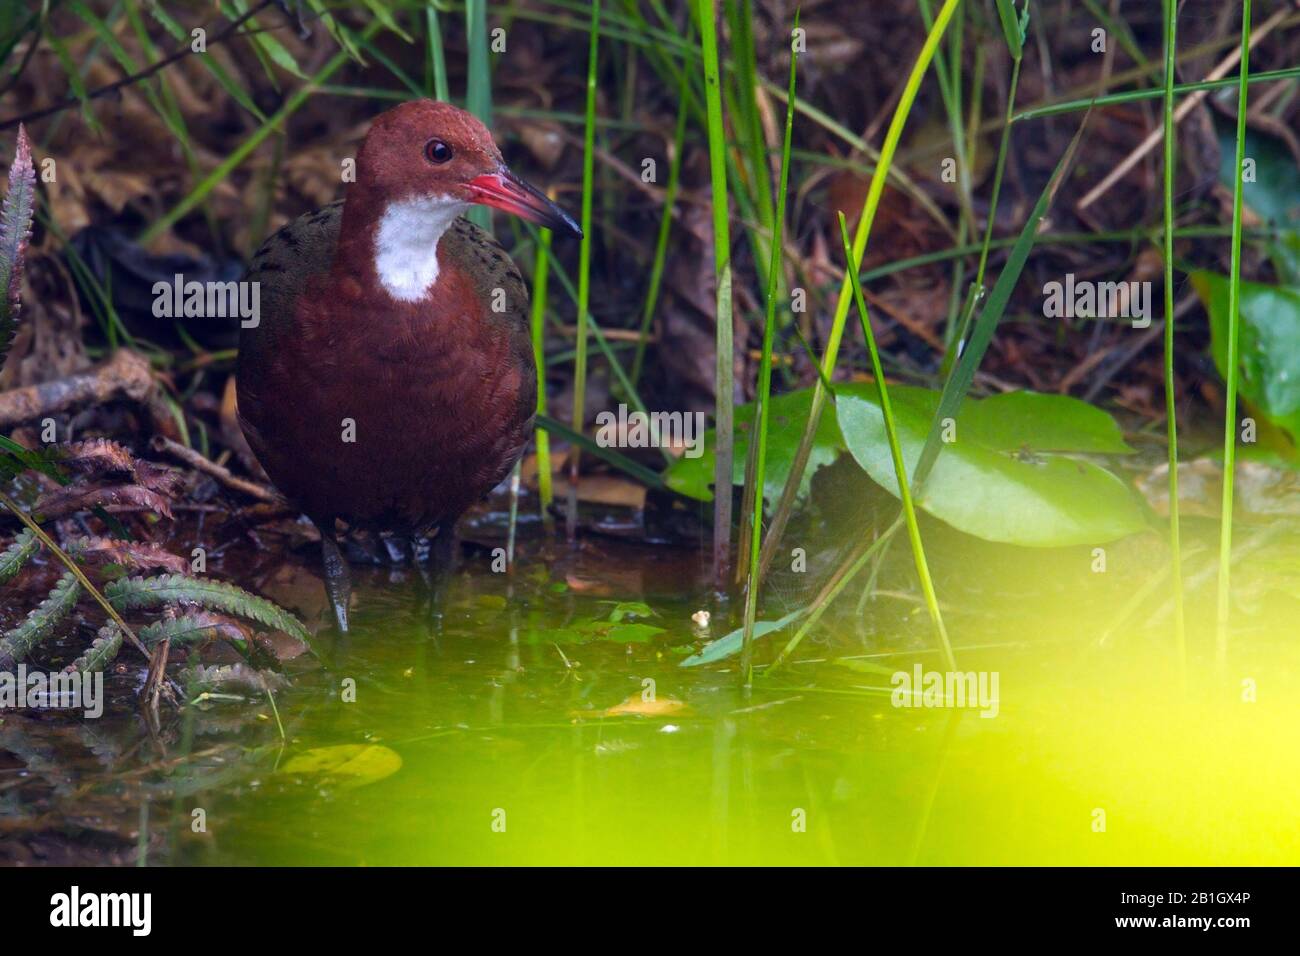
441 391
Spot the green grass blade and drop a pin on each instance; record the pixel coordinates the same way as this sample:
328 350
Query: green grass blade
963 373
584 269
900 469
724 384
1171 414
478 82
908 97
1234 321
756 467
242 151
1012 28
437 82
541 274
1133 96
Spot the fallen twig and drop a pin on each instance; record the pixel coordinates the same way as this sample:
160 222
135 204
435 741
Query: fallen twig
125 375
189 456
1185 107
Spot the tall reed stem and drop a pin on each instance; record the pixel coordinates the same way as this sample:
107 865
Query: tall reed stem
584 273
724 375
900 468
785 506
541 276
758 436
1234 317
1171 412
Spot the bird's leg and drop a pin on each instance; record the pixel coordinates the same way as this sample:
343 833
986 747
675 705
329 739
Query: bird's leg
443 551
436 560
338 580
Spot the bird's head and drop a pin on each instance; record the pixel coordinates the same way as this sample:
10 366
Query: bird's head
437 155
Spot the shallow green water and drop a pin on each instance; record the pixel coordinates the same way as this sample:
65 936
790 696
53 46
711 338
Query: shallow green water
506 756
512 732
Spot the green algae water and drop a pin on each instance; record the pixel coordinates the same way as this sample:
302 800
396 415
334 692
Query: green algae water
496 737
546 719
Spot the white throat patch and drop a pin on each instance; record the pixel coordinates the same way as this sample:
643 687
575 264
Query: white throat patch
406 244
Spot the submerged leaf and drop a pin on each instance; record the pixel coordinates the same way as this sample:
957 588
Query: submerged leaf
40 622
101 653
730 644
194 628
637 706
346 765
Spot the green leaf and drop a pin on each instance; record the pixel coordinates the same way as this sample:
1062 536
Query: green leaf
1039 422
1273 193
1268 346
985 488
346 765
693 477
624 609
1013 27
1011 422
730 644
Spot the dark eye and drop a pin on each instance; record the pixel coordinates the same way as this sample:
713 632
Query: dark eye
437 152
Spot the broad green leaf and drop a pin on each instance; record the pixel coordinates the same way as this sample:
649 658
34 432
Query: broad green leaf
729 644
1268 349
1010 422
1272 191
1016 497
347 765
623 609
1040 422
693 477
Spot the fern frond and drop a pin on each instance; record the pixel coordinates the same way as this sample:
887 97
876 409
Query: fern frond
234 677
101 653
82 497
15 557
139 555
40 622
15 230
194 628
105 458
138 592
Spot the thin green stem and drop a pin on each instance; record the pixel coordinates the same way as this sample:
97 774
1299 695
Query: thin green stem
1234 316
758 437
541 273
900 468
77 573
724 378
437 80
786 504
1171 414
584 271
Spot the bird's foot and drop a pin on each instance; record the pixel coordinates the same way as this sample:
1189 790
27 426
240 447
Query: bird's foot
338 579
